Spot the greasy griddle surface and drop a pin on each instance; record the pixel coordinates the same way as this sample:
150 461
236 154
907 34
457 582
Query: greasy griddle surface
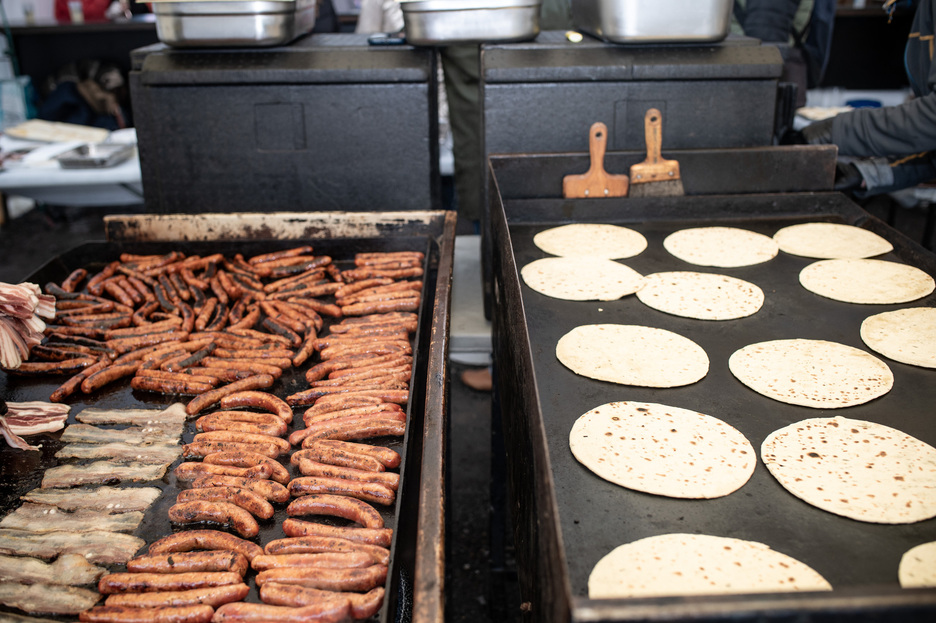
21 471
596 516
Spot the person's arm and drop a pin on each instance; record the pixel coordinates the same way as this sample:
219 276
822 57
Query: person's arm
769 20
909 128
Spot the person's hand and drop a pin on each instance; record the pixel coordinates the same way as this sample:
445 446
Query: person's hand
847 177
818 133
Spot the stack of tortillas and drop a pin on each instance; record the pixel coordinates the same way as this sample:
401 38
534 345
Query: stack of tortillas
811 373
663 450
611 242
866 281
830 241
581 278
698 564
726 247
632 355
703 296
857 469
918 566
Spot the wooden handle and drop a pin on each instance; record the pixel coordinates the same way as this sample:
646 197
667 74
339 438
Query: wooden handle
597 146
653 134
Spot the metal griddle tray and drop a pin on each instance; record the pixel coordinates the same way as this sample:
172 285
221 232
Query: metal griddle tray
581 517
21 472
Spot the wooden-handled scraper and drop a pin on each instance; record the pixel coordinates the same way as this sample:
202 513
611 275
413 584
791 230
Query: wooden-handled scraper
596 182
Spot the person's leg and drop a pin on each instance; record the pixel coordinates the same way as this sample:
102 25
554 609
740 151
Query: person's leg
461 67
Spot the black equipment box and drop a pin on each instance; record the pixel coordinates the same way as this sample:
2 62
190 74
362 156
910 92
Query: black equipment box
542 97
327 123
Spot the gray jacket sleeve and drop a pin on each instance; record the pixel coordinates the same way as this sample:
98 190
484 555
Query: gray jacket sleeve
769 20
909 128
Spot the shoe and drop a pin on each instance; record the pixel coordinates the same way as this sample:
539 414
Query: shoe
479 379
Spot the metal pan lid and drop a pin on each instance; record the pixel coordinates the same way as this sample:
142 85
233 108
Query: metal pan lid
464 5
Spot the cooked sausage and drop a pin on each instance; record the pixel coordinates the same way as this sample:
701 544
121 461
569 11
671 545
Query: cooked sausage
328 404
278 255
308 467
232 436
188 562
348 427
213 596
256 365
260 381
327 579
68 387
365 428
349 508
69 366
201 449
328 560
251 502
324 544
371 536
242 422
107 375
368 491
190 470
337 456
331 610
190 540
181 387
225 513
372 347
268 489
153 582
388 457
240 458
70 283
363 284
259 400
363 606
178 376
199 613
379 410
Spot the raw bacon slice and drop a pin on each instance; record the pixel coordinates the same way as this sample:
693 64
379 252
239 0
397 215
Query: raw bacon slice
46 598
99 473
31 418
122 452
99 546
21 307
141 417
66 570
105 499
42 518
35 417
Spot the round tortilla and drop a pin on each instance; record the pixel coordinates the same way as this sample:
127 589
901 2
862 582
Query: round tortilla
811 373
703 296
611 242
857 469
632 355
866 281
905 335
918 566
581 278
698 564
831 241
725 247
662 450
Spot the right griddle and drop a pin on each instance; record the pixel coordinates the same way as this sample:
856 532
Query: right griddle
566 518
